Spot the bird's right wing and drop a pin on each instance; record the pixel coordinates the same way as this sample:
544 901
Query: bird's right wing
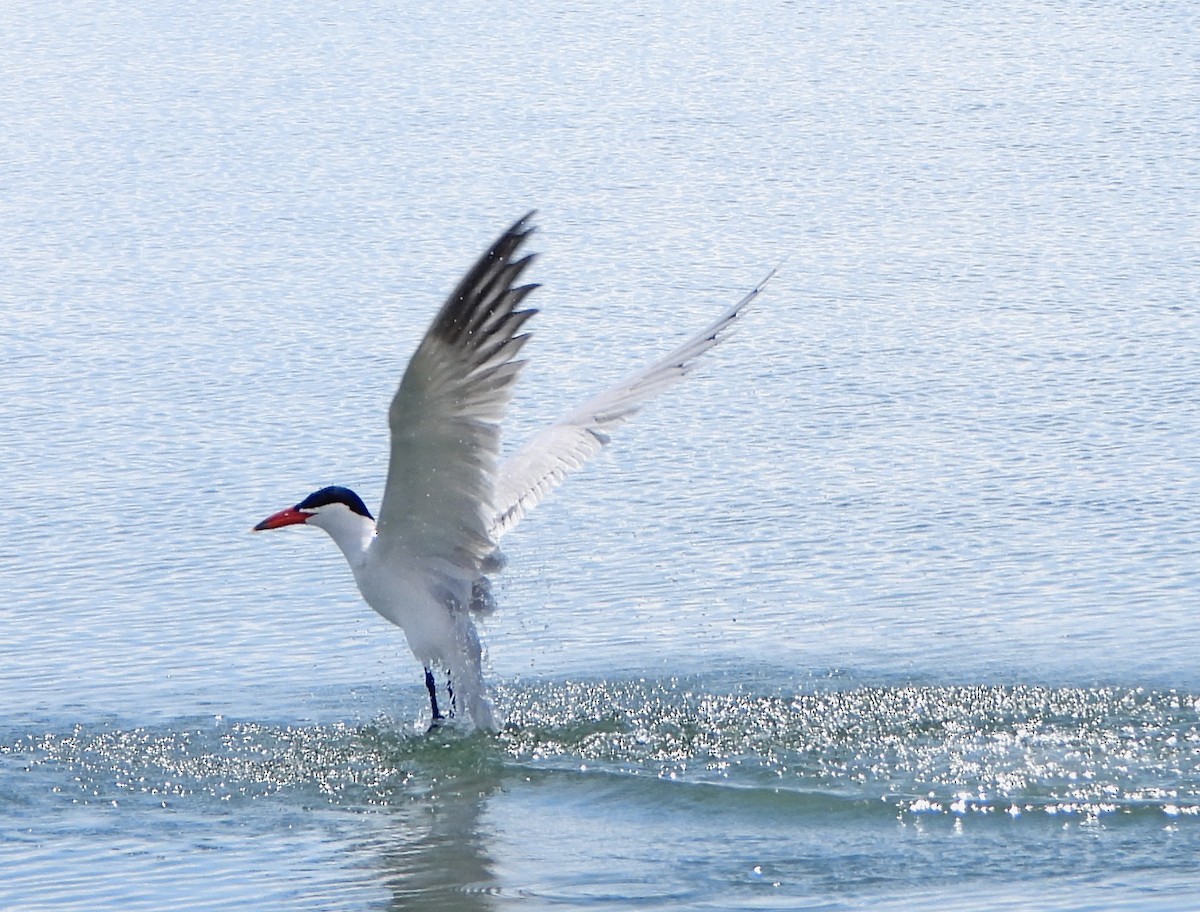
546 459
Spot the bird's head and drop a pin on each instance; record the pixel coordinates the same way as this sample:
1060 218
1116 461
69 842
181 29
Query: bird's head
327 508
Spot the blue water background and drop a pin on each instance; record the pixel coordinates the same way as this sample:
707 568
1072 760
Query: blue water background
893 604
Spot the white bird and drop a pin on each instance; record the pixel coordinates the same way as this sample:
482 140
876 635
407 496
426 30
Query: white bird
448 500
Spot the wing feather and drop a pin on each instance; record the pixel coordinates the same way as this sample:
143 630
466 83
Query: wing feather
546 459
445 418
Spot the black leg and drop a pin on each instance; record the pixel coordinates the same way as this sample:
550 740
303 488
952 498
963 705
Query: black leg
431 686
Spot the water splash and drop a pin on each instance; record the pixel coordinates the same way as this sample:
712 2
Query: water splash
1008 751
951 750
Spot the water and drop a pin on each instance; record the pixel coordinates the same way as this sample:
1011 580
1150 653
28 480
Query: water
891 606
615 793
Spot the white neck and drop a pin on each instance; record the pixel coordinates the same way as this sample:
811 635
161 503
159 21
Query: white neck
352 533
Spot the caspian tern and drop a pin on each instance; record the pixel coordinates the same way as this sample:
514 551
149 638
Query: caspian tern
448 499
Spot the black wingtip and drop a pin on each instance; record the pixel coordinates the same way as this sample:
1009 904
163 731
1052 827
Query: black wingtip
518 230
488 289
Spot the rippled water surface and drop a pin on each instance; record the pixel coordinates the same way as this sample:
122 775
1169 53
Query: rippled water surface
841 794
892 605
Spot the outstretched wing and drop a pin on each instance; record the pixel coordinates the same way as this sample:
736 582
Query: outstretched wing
542 464
445 418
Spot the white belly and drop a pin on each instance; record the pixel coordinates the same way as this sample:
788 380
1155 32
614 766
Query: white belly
406 601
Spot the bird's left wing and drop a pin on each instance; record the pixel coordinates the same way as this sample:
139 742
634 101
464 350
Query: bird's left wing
445 418
545 461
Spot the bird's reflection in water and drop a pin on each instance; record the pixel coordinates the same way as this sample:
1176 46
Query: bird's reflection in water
436 857
432 849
